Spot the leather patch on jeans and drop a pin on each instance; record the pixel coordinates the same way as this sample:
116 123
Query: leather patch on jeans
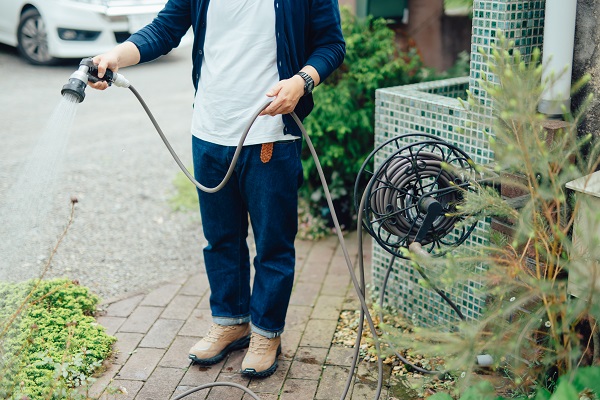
266 152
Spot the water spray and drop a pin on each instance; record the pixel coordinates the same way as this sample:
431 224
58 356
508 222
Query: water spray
407 203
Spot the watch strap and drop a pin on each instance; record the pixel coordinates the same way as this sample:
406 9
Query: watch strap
309 83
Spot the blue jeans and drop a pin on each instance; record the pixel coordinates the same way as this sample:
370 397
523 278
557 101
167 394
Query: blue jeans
268 193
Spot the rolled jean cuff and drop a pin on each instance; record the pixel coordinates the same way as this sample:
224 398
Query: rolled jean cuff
267 334
228 321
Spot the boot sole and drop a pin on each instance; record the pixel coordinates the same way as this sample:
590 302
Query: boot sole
237 345
250 372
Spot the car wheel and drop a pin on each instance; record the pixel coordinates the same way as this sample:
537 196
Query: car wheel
33 38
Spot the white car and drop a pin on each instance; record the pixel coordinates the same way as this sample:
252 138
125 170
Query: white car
46 30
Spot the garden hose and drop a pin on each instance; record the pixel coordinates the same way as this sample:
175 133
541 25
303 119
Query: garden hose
358 286
409 199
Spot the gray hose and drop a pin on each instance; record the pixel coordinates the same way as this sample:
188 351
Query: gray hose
213 384
358 286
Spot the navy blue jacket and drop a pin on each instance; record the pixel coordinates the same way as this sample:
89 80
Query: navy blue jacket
308 33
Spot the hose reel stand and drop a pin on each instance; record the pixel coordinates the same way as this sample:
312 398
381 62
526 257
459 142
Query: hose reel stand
410 202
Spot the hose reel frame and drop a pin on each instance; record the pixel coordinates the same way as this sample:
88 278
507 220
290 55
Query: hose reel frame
413 194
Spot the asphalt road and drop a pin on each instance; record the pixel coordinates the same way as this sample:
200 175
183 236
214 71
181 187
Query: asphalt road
125 237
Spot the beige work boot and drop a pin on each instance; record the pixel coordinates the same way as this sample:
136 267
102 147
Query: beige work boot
220 341
261 358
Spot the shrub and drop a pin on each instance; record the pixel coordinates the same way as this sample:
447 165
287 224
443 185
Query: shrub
341 126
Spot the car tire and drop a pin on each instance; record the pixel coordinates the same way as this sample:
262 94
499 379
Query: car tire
32 39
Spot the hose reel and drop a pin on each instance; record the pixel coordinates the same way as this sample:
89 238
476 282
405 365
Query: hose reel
413 194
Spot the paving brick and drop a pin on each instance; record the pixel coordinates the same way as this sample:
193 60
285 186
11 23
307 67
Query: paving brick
274 383
297 317
177 355
233 362
351 243
197 324
204 303
351 301
199 395
162 333
227 392
181 307
338 266
289 343
124 307
318 333
339 355
141 364
129 390
308 363
125 345
303 248
110 324
161 384
305 293
313 271
103 380
327 307
368 373
263 396
336 284
363 391
299 389
332 383
197 285
197 375
161 296
141 319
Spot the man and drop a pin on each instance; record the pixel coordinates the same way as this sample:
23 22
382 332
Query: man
244 52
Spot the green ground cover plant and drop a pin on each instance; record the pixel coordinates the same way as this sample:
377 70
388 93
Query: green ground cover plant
51 343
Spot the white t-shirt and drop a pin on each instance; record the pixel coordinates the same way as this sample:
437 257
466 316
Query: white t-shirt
239 66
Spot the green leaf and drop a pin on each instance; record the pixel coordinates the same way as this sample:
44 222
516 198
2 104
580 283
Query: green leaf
565 391
482 391
542 394
587 378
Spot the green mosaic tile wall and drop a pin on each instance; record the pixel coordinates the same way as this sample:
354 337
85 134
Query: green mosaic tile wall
434 108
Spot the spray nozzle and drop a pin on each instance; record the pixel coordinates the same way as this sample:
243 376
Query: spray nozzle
88 72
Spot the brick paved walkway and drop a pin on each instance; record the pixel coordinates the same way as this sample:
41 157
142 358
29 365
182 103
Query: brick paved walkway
155 331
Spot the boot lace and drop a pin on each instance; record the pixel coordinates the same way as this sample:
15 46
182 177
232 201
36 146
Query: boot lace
259 344
216 332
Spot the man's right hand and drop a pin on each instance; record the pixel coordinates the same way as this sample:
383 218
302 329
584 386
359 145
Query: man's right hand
122 55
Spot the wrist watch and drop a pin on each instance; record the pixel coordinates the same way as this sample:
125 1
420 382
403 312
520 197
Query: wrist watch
309 84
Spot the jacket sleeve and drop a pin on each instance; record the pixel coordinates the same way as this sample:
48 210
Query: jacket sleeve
327 47
164 33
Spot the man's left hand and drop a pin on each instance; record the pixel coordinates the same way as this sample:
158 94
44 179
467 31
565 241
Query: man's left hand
286 94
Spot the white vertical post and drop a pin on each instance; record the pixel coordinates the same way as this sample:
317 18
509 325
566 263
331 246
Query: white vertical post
557 56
